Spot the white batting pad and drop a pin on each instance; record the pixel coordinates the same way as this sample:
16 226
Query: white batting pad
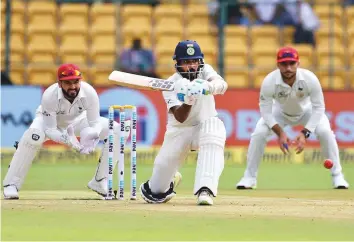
210 162
27 149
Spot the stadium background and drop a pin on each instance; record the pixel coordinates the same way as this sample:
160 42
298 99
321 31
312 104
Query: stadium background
39 35
293 199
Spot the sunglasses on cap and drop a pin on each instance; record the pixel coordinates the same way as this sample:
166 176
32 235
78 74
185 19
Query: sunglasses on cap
70 73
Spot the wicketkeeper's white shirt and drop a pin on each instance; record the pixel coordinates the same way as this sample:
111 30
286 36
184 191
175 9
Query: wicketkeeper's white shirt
306 93
58 113
204 107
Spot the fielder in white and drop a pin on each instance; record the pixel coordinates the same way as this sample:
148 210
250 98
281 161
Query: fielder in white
68 109
192 125
291 96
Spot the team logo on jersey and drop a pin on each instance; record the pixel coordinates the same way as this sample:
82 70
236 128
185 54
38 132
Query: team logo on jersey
61 112
35 137
45 113
300 95
190 51
282 94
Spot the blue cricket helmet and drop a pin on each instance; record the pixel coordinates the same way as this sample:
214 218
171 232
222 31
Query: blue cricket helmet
187 50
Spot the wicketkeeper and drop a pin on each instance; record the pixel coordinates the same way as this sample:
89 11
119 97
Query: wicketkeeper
69 108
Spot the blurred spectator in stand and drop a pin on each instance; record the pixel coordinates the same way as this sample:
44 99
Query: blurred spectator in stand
233 11
213 8
5 79
306 22
261 12
348 2
153 3
295 13
138 60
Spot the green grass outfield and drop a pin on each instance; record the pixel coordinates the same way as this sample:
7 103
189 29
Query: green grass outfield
292 202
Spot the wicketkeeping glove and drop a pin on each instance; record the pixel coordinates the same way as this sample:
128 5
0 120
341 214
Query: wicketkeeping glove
68 137
89 138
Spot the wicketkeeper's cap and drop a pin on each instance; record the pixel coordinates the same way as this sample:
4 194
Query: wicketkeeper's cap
287 54
69 72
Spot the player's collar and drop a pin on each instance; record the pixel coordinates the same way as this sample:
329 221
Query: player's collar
60 93
299 76
279 80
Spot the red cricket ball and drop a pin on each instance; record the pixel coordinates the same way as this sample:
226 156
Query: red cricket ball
328 164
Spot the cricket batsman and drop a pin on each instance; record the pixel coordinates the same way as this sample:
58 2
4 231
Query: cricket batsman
192 125
69 108
291 96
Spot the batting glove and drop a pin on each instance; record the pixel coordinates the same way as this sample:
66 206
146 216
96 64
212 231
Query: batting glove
197 88
181 88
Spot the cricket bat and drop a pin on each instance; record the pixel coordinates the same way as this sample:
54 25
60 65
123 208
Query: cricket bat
140 82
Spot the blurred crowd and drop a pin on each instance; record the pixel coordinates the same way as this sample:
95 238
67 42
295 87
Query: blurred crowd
281 13
298 14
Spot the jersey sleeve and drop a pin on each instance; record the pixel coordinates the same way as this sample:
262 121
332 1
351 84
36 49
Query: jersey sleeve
170 97
217 84
266 101
93 109
209 72
317 101
49 105
171 100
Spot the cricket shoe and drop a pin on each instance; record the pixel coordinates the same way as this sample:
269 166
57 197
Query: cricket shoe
246 183
205 197
149 197
98 186
339 182
10 192
177 180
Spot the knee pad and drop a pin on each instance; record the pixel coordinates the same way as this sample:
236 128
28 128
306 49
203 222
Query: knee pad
212 132
210 163
33 137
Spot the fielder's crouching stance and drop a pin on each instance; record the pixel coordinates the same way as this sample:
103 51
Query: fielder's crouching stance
291 96
68 109
192 125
